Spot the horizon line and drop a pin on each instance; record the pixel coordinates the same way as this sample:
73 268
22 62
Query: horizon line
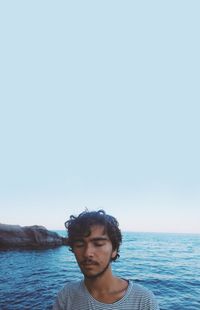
147 232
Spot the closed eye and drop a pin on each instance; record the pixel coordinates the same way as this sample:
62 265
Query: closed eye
78 244
99 244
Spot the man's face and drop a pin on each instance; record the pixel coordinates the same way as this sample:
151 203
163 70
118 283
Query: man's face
94 253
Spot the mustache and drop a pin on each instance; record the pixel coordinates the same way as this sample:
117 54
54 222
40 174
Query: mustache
88 262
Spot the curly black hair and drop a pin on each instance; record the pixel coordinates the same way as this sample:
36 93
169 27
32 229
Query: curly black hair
80 226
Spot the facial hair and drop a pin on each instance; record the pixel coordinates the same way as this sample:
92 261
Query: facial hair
99 274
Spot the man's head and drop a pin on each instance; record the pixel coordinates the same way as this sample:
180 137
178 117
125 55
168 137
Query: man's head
80 227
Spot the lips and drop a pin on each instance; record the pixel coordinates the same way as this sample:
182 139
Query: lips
89 263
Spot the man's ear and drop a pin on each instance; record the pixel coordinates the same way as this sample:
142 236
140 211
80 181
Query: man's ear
114 253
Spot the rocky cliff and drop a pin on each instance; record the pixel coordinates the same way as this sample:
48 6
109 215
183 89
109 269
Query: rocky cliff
28 237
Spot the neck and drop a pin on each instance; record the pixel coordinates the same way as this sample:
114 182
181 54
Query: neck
106 288
101 282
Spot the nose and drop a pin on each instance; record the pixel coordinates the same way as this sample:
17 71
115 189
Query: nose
88 251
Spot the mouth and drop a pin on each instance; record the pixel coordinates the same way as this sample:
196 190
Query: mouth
88 264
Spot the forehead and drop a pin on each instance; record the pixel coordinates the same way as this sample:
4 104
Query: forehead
95 231
98 230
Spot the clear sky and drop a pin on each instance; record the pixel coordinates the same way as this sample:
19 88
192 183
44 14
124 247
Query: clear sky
100 108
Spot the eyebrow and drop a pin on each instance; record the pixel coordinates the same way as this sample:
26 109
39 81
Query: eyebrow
99 239
93 239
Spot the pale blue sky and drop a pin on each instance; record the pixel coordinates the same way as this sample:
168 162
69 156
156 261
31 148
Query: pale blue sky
100 108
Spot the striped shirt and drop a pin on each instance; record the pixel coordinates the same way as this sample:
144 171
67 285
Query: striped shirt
75 296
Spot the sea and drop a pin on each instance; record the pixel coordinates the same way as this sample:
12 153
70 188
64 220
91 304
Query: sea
167 264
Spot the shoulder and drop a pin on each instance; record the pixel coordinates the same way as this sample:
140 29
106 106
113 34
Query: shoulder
144 296
67 294
140 289
70 288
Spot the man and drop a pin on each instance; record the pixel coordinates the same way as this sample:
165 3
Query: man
94 238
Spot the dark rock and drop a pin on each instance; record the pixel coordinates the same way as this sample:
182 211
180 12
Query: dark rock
28 237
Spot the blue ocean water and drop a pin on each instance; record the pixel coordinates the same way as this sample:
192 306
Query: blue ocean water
168 264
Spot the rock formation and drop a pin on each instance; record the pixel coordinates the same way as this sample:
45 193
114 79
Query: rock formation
28 237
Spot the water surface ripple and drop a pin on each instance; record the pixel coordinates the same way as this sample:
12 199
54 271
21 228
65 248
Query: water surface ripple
168 264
